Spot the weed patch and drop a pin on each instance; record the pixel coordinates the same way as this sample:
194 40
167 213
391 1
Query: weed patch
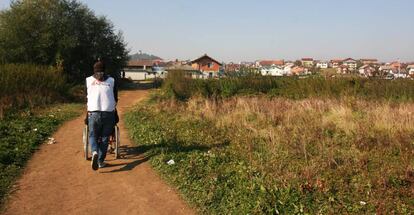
22 133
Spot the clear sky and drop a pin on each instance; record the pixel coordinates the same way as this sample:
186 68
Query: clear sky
236 30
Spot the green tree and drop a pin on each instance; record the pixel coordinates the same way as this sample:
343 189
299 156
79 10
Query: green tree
47 32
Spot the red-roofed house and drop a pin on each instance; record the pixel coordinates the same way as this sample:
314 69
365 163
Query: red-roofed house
207 65
272 63
335 63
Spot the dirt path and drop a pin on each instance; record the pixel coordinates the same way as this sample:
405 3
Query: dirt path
58 180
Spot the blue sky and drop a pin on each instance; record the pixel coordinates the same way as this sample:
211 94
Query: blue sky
236 30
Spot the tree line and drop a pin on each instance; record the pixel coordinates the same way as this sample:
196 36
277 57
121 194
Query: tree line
60 32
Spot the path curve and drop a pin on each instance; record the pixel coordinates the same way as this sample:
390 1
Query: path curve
57 180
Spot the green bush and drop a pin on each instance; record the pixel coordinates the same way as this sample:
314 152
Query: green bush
26 85
183 88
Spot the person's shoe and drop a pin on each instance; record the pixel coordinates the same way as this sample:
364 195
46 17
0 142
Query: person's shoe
94 162
101 165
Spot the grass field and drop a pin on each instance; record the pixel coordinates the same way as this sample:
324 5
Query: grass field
261 154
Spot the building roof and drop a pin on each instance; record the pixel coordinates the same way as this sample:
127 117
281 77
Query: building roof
180 67
307 59
368 59
336 61
205 56
349 59
272 62
142 62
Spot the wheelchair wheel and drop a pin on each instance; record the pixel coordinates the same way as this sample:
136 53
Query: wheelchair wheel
86 142
117 142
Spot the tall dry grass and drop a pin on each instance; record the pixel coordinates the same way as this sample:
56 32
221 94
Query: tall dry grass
348 151
25 85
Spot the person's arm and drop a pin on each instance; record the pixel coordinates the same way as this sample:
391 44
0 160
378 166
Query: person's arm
116 100
85 94
115 91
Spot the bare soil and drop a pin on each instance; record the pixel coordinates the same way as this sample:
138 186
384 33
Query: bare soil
58 180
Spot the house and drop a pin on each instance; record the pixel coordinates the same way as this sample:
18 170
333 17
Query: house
271 63
307 62
142 69
350 63
396 65
299 70
342 69
142 64
410 70
207 66
387 69
272 71
322 64
367 70
335 63
187 69
232 67
368 61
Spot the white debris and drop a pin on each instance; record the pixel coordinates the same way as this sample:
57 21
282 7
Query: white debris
51 141
362 203
171 162
35 129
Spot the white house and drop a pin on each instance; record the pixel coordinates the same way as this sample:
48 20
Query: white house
366 71
387 69
410 69
288 68
272 71
350 63
322 65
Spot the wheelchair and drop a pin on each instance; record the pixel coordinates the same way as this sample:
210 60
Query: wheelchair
113 144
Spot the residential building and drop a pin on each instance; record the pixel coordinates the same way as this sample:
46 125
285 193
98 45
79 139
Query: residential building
299 70
410 69
232 67
350 63
322 64
343 69
367 70
387 69
272 71
142 69
368 61
207 65
307 62
271 63
335 63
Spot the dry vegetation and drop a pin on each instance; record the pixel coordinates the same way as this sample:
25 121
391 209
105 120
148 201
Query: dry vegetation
347 155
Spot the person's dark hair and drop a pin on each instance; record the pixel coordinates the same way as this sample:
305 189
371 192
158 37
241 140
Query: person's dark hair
99 67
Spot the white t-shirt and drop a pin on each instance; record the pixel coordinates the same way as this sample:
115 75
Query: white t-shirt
100 94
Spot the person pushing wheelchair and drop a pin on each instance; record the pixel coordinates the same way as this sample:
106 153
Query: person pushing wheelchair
102 97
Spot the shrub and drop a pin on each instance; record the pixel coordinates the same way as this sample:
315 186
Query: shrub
184 88
26 85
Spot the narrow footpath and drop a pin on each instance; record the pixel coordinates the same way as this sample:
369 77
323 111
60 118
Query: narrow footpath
58 180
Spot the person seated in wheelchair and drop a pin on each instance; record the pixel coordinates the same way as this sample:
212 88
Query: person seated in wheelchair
102 97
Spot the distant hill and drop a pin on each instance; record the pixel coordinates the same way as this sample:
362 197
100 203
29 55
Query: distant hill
143 56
